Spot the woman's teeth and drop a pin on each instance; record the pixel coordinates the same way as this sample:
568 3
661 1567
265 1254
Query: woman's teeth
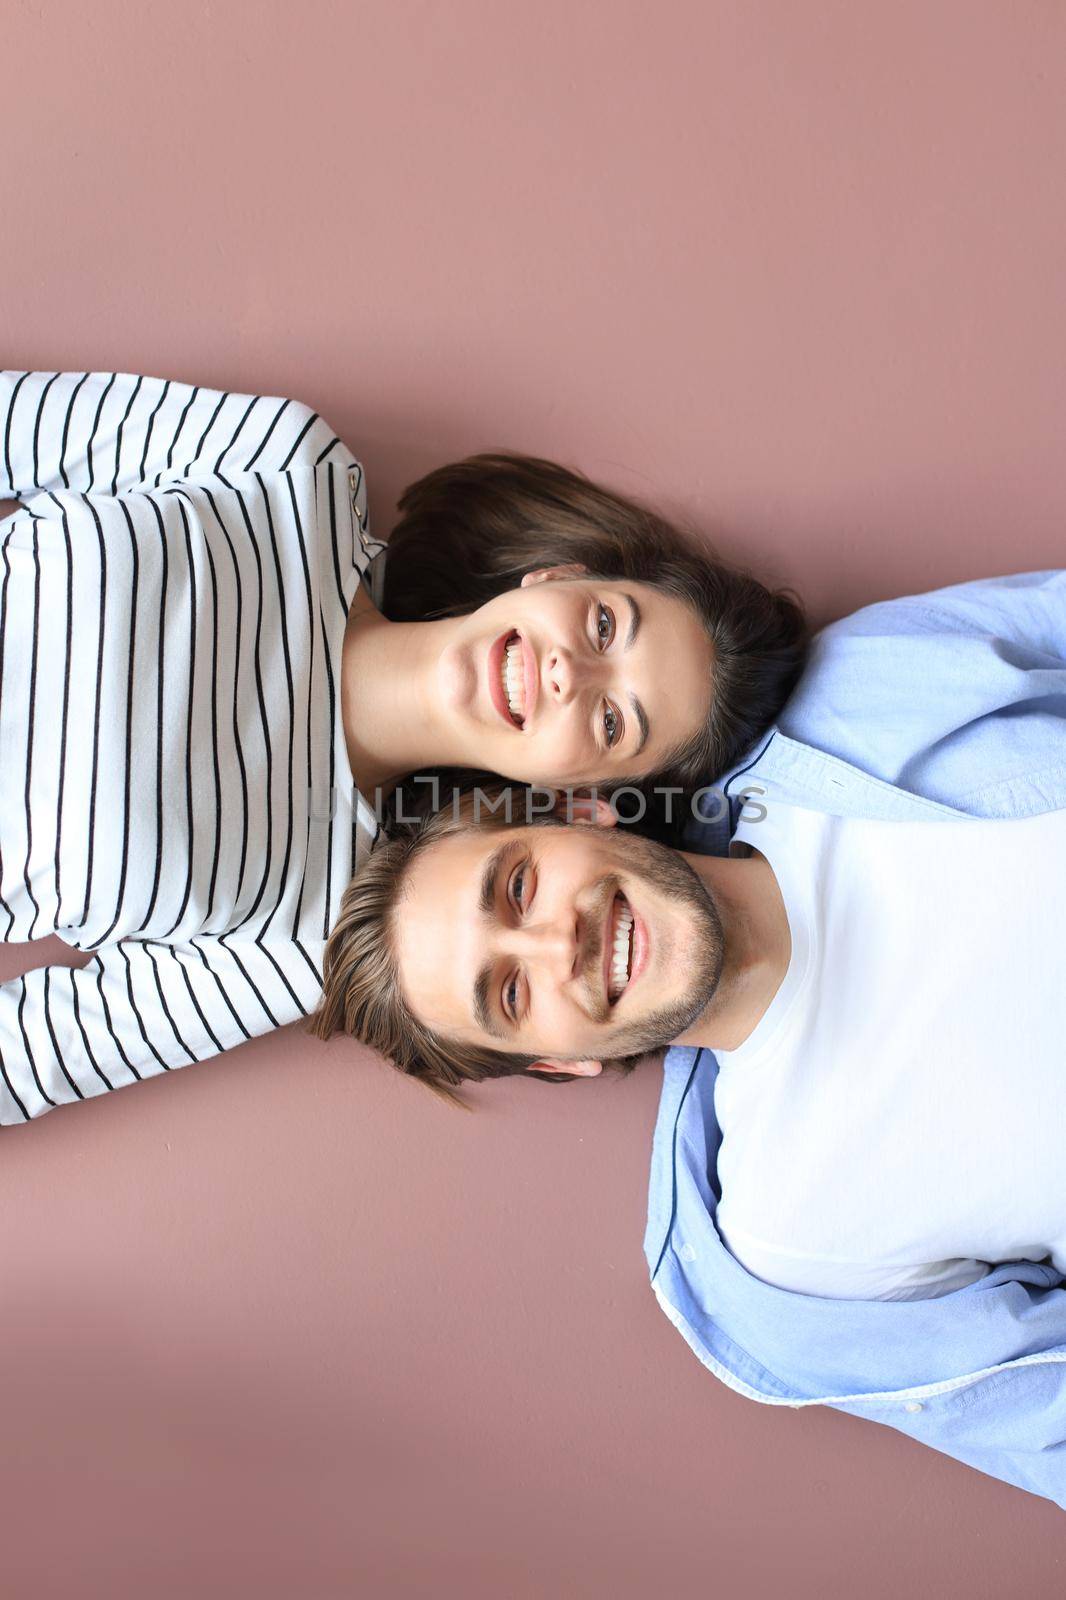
512 671
621 951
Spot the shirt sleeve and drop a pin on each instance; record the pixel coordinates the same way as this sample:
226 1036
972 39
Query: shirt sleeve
138 1008
1010 1424
110 431
1023 608
958 695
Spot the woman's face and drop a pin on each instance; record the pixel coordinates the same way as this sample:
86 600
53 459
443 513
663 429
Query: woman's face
572 680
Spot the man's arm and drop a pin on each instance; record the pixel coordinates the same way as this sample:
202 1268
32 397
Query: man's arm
1024 608
958 695
109 431
137 1009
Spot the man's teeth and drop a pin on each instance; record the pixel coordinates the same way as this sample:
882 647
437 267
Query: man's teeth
623 934
514 683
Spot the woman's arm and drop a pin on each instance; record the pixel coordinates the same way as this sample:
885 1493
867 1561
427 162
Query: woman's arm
137 1009
109 431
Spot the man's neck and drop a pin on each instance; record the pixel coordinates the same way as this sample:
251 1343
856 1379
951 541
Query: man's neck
758 947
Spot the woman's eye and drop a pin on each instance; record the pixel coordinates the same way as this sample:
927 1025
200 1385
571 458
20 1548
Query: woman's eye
611 725
510 999
604 626
518 883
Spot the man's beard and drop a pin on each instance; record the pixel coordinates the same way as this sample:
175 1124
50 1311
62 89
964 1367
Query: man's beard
665 870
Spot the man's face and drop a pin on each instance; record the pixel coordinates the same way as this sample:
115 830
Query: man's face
565 942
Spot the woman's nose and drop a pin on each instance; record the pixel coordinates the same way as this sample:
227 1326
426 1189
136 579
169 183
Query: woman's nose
564 675
559 675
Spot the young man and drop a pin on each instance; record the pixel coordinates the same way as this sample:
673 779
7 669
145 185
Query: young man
855 1201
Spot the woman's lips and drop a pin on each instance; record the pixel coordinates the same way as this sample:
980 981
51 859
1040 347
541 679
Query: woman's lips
530 677
494 668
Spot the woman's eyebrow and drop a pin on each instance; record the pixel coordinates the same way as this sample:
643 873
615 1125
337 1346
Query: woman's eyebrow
642 717
638 710
634 621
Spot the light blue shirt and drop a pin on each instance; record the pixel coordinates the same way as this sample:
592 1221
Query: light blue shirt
929 706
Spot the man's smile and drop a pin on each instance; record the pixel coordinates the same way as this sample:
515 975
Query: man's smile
625 952
618 947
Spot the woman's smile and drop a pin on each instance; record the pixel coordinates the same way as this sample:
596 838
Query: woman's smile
575 667
513 678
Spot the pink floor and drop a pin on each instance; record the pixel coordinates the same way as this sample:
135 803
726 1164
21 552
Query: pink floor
279 1325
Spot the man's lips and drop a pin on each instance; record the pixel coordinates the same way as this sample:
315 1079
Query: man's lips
638 945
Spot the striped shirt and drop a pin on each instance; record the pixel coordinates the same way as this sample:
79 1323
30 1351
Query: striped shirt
175 793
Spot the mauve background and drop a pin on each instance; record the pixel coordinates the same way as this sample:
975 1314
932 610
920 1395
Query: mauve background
279 1325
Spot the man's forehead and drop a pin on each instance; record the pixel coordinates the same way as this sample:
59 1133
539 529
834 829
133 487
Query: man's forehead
459 857
432 928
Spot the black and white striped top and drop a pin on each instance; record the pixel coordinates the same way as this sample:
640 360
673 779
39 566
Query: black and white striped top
175 794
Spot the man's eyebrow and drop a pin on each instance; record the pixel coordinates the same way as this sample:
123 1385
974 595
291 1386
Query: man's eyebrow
482 1010
487 897
487 906
634 620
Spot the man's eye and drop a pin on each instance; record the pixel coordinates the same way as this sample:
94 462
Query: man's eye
510 999
518 886
604 625
612 725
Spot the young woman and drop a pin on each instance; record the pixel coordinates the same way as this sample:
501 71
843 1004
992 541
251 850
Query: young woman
199 694
538 626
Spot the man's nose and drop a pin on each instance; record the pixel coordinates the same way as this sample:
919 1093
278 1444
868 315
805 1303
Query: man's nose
552 945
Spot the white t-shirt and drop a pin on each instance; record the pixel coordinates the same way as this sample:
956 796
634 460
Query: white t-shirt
896 1121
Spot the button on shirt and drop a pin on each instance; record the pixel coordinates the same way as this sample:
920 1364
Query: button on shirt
176 794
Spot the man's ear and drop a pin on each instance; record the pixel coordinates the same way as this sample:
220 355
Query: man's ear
581 1069
582 806
569 569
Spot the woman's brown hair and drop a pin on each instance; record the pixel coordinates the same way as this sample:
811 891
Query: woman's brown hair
472 529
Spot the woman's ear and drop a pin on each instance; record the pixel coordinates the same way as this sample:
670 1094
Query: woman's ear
570 569
581 1069
577 805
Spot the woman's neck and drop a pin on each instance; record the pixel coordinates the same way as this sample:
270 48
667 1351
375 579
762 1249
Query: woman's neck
387 696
